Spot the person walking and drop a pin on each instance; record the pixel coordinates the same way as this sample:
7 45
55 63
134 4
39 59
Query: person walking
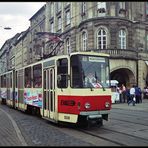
128 94
132 95
138 94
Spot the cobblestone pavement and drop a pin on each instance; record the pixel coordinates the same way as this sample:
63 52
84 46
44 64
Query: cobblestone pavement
140 106
36 131
9 132
20 129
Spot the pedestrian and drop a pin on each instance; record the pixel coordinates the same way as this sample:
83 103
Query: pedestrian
145 92
123 88
128 94
132 96
138 94
120 94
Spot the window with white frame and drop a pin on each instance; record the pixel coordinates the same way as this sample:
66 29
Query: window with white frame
52 9
30 36
67 3
146 8
68 45
34 34
52 26
59 23
41 27
59 6
101 7
68 17
102 39
83 8
122 39
84 40
122 5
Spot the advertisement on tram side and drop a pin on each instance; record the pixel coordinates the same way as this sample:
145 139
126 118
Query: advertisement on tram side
33 97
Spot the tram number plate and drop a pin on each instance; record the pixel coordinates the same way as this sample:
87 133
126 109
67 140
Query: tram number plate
67 117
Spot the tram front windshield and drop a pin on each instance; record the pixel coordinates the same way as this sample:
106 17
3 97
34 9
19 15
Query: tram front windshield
89 71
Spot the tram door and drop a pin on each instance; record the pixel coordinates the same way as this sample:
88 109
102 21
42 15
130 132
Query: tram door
49 93
13 88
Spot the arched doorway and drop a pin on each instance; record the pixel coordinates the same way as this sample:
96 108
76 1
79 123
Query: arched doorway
123 76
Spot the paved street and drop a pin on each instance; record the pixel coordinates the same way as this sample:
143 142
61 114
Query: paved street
140 106
10 134
20 129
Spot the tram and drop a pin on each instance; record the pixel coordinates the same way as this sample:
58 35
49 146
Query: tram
56 89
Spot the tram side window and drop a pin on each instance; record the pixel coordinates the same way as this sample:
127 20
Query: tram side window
16 79
11 80
77 72
1 82
4 81
8 80
62 73
28 77
37 76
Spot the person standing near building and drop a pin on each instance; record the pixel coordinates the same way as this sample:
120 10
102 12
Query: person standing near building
132 95
123 88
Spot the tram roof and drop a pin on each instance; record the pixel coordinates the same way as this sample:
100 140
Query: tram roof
90 53
60 56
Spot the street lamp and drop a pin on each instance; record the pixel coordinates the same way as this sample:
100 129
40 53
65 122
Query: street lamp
6 28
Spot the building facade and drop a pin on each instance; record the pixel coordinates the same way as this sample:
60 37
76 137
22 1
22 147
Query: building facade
117 28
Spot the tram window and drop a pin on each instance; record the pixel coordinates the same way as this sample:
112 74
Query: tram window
37 76
11 80
16 79
0 81
62 73
77 72
28 77
4 80
44 82
8 80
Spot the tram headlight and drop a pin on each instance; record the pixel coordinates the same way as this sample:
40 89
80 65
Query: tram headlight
107 104
87 105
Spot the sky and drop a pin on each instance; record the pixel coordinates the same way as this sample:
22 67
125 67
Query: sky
16 15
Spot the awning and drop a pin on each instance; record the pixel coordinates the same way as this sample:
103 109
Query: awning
146 62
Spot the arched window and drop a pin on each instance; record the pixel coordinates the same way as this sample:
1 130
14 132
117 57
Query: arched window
84 41
122 39
68 48
102 39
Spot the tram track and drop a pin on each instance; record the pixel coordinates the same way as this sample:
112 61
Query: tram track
117 111
105 135
129 121
124 134
116 137
97 136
